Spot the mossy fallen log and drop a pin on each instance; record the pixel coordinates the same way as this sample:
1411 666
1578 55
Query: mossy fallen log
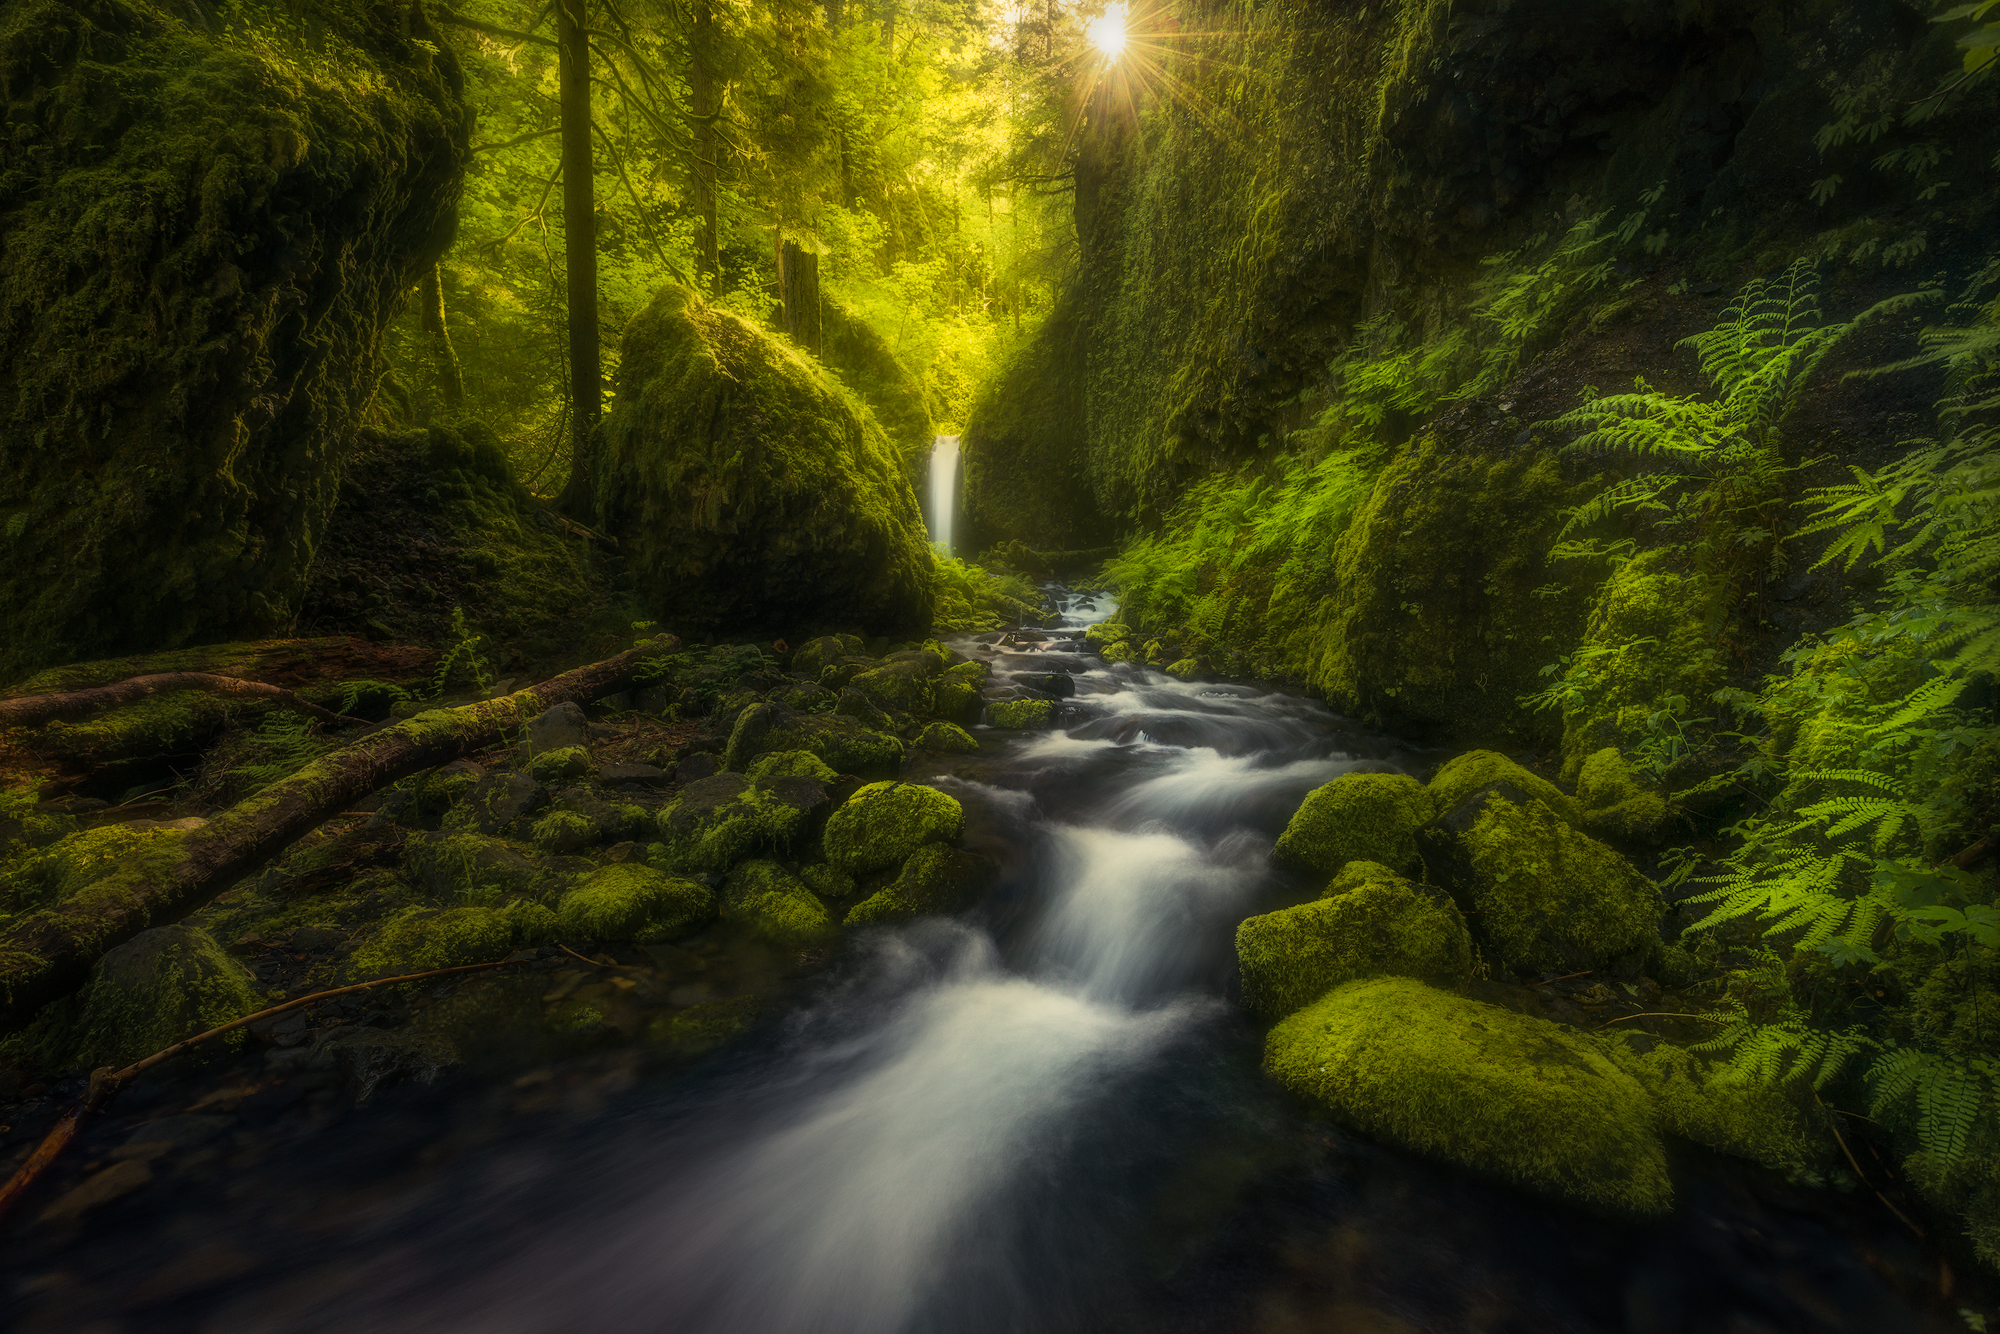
33 710
48 953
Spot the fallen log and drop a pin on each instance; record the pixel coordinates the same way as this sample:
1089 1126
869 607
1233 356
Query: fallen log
49 953
34 710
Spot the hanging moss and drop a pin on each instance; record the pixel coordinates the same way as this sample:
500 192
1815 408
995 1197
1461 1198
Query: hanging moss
205 233
884 823
1377 925
748 490
1511 1096
1357 817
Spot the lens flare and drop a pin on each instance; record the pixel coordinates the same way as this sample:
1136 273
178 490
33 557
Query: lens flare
1107 32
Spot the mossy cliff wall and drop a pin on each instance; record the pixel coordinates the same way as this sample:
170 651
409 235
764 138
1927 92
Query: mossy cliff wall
207 215
749 490
1308 178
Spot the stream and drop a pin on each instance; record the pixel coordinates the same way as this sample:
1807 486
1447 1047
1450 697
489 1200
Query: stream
1043 1115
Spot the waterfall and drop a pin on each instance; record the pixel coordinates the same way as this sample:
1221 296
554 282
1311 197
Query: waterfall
944 489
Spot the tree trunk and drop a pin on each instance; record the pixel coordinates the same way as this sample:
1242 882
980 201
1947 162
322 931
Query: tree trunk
450 376
580 256
798 285
49 953
702 92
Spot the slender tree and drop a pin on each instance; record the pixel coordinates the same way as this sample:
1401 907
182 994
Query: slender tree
579 254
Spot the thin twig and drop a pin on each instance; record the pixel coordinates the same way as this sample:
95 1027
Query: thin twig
1841 1140
1656 1014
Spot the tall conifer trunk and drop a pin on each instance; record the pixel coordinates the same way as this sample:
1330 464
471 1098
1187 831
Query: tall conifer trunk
580 255
702 91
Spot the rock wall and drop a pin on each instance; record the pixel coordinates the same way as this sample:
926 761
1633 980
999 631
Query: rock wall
205 223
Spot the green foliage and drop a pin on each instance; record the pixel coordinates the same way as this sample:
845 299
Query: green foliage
464 659
283 744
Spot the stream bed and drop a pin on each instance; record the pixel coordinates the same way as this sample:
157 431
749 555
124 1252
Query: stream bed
1043 1115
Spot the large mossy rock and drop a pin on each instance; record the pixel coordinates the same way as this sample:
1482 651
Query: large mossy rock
1369 924
1358 818
747 489
884 823
1465 774
1745 1117
628 901
864 360
1504 1094
842 743
1545 897
159 987
769 900
1617 803
203 233
720 820
420 939
936 878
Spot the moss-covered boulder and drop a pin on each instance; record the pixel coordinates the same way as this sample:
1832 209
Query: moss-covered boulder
906 682
1546 898
479 871
1465 774
1374 926
420 939
748 489
864 361
959 703
1021 714
842 743
630 901
884 823
718 821
498 803
947 737
829 882
560 766
936 878
1616 802
1747 1118
766 898
159 987
101 860
1357 817
791 764
184 388
1507 1095
562 833
816 655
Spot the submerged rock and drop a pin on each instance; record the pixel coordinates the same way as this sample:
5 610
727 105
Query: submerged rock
1544 896
1369 924
1514 1097
884 823
1358 817
159 987
748 488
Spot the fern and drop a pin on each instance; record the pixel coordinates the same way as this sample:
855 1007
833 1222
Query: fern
462 656
1784 1052
1950 1096
285 744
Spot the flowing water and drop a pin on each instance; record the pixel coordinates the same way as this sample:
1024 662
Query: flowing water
943 489
1043 1115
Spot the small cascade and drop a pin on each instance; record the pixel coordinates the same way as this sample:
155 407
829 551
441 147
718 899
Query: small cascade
944 489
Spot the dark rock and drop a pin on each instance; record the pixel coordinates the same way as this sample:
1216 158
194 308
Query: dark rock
1055 685
183 1131
642 775
557 728
654 699
864 710
371 1059
498 803
314 939
696 767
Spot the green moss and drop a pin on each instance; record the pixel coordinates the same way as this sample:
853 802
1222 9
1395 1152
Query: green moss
960 702
1021 714
1549 899
1747 1118
26 826
421 939
1106 633
934 879
96 868
776 904
476 870
154 332
947 737
829 882
556 766
1466 774
1510 1096
867 366
844 744
905 686
747 488
791 764
633 902
1122 651
701 1028
884 823
1185 669
1356 874
719 821
1373 926
816 655
1357 817
972 673
561 833
1616 804
159 987
176 722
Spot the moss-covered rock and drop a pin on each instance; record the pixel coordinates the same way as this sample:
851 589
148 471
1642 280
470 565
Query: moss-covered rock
1504 1094
562 833
1748 1118
1545 897
159 987
1021 714
1106 633
1465 774
884 823
865 363
1373 926
816 655
947 737
935 878
420 939
1357 817
718 821
829 882
906 682
156 332
747 488
777 905
479 871
1616 803
843 743
1184 669
560 766
25 825
498 803
959 703
1122 651
791 764
629 901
